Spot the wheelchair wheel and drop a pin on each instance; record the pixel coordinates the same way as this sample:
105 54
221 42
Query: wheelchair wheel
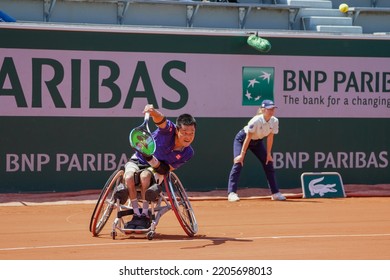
180 204
105 203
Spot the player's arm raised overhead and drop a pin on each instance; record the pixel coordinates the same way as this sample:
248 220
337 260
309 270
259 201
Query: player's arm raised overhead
158 117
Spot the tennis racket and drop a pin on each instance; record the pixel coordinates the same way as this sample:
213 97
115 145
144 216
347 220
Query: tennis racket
141 139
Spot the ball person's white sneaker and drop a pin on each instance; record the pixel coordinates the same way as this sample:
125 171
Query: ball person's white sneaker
232 197
278 196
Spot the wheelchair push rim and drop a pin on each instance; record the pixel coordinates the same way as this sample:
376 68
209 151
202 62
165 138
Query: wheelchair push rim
181 205
105 204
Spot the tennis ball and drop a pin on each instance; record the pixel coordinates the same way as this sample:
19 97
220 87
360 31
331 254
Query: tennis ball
343 8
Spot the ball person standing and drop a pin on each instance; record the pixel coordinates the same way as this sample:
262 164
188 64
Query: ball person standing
263 125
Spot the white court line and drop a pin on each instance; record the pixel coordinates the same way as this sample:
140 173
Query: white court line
198 240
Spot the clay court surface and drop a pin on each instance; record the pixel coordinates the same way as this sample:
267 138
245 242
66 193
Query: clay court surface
255 228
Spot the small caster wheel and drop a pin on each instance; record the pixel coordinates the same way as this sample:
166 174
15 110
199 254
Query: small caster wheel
150 235
113 234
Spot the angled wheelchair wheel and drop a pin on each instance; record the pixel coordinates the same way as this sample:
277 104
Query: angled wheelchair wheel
180 204
105 203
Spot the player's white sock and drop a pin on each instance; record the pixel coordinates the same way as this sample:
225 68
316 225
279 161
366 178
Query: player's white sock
134 203
145 208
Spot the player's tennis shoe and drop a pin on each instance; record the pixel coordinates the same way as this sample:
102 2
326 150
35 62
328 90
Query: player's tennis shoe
232 197
138 222
278 196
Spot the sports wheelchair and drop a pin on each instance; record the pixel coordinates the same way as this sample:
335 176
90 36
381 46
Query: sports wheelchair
172 197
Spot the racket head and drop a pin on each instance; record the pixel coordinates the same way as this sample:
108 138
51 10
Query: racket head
142 141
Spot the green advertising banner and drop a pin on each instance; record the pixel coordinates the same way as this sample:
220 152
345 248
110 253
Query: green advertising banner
70 95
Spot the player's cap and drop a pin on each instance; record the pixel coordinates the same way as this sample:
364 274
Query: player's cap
268 104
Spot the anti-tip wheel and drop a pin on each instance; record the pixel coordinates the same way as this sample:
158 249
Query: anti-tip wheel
150 235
